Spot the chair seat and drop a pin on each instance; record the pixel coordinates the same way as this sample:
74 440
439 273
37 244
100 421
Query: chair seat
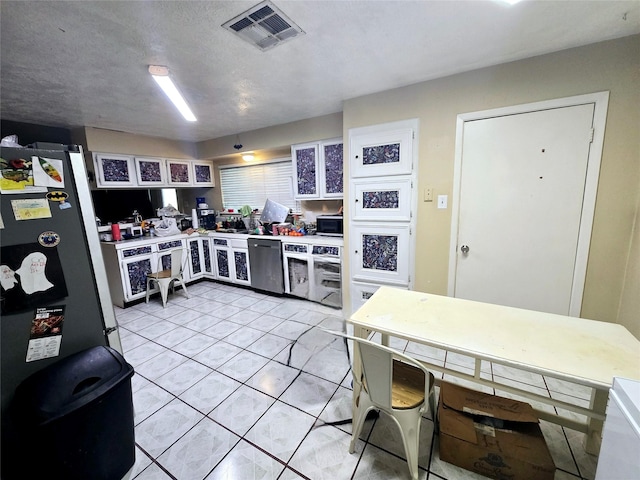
161 274
407 389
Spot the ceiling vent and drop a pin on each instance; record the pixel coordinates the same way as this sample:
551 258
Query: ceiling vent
264 26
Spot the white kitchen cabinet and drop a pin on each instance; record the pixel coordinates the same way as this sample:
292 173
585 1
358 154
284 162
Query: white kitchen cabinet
114 171
222 257
128 262
381 199
199 258
126 171
135 264
241 269
231 259
326 280
179 173
318 169
383 171
331 169
306 173
297 264
150 172
383 153
202 174
381 253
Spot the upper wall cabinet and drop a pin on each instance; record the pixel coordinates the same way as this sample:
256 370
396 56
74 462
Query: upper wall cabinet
318 169
331 166
203 174
305 158
127 171
179 173
151 172
114 171
382 154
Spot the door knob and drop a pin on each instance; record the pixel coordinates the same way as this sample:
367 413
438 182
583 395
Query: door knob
464 249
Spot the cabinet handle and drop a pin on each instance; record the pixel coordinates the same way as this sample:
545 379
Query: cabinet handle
357 200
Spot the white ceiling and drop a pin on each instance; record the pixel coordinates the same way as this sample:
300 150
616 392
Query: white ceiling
84 63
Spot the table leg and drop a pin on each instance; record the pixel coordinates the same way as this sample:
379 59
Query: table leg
598 404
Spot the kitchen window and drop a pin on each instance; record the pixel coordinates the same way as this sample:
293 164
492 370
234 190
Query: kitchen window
253 184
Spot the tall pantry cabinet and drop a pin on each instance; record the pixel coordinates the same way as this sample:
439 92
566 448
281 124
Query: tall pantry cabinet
382 185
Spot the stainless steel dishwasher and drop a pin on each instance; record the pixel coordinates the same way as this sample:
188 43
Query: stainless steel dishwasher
265 260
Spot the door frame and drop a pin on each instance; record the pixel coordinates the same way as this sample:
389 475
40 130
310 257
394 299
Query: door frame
601 102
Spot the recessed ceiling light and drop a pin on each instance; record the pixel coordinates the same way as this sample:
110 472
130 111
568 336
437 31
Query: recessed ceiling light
161 75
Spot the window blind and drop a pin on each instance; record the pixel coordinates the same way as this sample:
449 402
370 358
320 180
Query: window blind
253 184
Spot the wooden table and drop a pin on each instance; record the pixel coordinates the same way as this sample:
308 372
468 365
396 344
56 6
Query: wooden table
584 352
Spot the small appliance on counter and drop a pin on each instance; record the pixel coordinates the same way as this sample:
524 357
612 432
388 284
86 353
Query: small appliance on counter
329 225
207 218
134 231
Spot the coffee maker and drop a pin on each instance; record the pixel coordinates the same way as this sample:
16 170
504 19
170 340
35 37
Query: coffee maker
207 218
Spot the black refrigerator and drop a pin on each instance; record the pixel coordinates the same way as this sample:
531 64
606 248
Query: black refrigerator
55 295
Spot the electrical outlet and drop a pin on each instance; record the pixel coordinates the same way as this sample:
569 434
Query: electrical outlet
442 201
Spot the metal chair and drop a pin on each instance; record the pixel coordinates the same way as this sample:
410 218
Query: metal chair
395 384
167 277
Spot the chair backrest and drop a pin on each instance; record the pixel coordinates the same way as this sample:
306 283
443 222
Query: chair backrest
175 256
377 368
176 262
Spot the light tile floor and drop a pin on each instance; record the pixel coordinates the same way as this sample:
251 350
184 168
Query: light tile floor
234 384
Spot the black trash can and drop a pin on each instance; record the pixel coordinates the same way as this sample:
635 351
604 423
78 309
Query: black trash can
75 418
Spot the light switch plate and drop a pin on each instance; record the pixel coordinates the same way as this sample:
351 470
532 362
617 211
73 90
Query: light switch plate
442 201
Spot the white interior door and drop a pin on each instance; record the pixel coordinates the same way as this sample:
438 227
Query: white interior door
521 193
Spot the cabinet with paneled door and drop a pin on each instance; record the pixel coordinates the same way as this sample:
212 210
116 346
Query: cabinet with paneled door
127 171
135 264
318 169
199 258
383 172
114 171
241 270
231 259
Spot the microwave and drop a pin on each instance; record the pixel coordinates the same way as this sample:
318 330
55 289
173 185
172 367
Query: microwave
329 225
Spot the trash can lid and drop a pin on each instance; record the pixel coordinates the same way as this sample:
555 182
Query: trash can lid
71 383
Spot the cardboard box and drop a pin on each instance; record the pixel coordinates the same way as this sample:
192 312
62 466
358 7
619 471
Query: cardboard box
494 436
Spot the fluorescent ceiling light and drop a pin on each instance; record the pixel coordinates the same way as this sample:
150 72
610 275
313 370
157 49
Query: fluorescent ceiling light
161 76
